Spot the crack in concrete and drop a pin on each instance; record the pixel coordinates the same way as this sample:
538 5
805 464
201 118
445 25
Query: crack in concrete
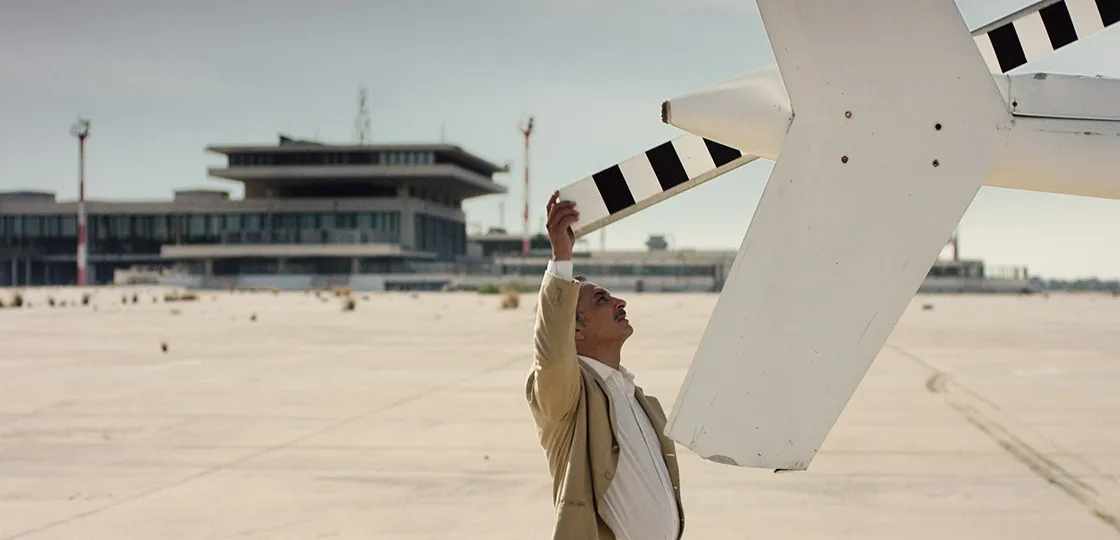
965 402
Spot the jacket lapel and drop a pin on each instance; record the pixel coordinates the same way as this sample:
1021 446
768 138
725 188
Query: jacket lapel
606 392
656 414
653 409
656 417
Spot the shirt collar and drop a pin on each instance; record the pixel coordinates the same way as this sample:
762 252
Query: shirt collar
606 371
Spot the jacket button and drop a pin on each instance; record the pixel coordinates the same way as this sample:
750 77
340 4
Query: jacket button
614 448
609 475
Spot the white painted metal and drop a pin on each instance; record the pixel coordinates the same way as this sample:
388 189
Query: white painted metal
852 218
837 247
1053 95
640 177
758 99
695 158
1032 160
1086 17
1018 14
750 111
643 184
1031 33
987 51
1071 157
1033 36
593 213
1066 135
1034 94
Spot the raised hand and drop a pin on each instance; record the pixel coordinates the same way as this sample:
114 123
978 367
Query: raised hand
561 215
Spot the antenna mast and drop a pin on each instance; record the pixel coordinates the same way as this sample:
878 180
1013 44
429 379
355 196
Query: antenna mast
362 130
527 131
81 130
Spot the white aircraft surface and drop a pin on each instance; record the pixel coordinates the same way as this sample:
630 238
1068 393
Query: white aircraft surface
884 119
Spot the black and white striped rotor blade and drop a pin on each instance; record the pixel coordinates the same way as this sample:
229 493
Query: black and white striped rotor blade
647 179
1040 29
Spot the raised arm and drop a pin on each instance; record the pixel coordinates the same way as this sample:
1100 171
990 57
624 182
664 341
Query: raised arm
556 380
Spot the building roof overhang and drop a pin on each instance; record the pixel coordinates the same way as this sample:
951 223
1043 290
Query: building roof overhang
471 184
307 146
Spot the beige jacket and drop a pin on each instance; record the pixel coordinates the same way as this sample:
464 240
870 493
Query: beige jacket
571 407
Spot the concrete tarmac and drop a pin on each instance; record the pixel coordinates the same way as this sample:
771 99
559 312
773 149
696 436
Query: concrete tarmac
281 416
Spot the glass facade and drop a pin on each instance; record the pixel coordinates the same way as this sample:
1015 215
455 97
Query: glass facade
331 157
145 233
41 249
443 237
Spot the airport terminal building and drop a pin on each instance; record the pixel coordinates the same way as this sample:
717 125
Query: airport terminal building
309 209
371 217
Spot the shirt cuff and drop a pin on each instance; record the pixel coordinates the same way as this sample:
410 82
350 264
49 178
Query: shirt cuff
561 269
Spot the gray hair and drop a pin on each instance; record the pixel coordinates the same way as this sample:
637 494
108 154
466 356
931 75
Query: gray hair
579 318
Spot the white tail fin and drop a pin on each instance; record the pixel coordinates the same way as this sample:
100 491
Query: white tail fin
893 134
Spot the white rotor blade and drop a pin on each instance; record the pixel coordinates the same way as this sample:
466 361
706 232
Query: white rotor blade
895 127
1040 29
648 178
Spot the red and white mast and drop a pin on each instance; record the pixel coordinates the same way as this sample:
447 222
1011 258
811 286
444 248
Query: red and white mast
527 131
81 131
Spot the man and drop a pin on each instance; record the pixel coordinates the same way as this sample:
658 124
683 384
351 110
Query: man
614 475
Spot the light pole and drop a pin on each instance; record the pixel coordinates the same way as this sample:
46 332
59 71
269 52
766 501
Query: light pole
81 131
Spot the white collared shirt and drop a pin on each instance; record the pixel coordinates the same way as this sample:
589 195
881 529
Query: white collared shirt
640 503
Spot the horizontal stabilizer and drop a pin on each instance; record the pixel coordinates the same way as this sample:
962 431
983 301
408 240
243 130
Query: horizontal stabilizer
1040 29
648 178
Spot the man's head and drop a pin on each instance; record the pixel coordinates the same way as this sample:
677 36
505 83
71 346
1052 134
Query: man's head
600 318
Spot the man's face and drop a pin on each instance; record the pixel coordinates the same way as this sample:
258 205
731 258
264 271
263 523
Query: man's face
601 317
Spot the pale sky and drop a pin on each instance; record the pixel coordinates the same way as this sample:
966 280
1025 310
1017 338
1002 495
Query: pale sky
161 80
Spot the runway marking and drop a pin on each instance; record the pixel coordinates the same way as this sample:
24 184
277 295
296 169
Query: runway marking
972 406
